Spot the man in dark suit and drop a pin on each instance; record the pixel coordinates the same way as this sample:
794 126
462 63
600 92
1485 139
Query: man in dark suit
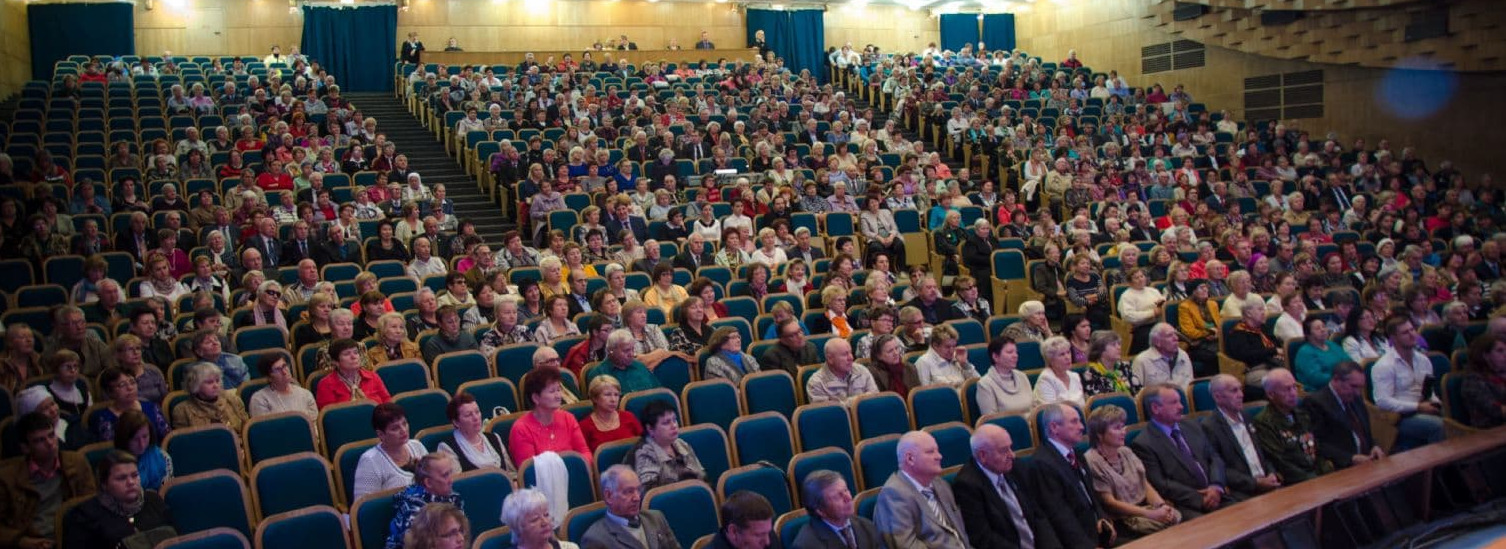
916 509
990 493
747 521
1340 421
1246 469
695 255
624 44
334 249
933 307
625 520
621 220
834 522
792 351
803 249
705 42
137 239
693 148
810 136
266 242
299 247
1179 462
579 300
1074 511
412 49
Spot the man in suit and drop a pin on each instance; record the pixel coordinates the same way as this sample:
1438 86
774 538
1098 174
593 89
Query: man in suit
705 42
578 298
1179 461
299 247
1073 508
834 522
412 49
626 525
915 508
695 255
266 242
933 307
624 44
810 136
333 249
622 220
693 149
1246 470
747 523
803 249
990 492
1340 421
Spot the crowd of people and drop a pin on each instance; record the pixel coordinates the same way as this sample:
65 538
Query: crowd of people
1358 254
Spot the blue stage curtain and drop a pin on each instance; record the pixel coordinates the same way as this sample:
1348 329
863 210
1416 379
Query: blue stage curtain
959 29
61 30
356 45
998 31
798 36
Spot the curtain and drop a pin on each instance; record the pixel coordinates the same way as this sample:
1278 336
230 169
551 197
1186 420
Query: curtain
61 30
998 31
959 29
798 36
356 45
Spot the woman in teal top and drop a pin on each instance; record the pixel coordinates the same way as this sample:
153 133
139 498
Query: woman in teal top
1317 356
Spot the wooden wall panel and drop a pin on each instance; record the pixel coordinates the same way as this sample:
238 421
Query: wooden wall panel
15 47
518 25
250 27
1108 34
891 28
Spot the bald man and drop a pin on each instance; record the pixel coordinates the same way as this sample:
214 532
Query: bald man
1284 432
992 493
916 508
1229 430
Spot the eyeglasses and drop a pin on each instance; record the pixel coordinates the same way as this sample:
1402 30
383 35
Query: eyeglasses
273 292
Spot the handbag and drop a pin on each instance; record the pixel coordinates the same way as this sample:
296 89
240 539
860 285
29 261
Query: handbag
148 539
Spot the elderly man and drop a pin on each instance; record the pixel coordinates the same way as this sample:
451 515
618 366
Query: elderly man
837 380
72 333
450 337
622 363
803 250
299 247
483 265
266 242
71 435
1246 469
834 522
109 307
35 485
916 508
1164 361
301 291
932 307
651 257
747 523
626 525
695 255
998 509
1179 461
1073 508
792 352
1283 431
1340 421
334 249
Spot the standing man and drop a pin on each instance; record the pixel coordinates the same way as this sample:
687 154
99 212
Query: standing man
705 43
834 523
1179 461
1340 421
1059 469
991 493
1246 469
412 49
916 508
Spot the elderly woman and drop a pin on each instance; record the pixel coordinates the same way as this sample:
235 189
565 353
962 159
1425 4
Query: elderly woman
891 372
1034 325
882 320
526 514
1058 382
1119 476
207 403
1004 389
392 341
662 458
727 359
438 526
1140 306
664 293
122 508
969 302
207 348
120 387
1085 289
1107 371
70 393
557 324
342 325
432 484
389 464
945 361
473 447
70 431
692 329
266 307
506 330
650 344
282 393
882 234
1317 356
606 422
349 381
548 427
20 360
160 281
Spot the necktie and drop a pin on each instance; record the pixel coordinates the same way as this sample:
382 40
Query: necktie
635 522
934 504
1176 435
847 538
1361 437
1072 459
303 248
1016 513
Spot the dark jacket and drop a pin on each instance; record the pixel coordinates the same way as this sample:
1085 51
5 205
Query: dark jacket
1177 478
987 515
937 312
686 260
782 358
816 535
1073 508
90 525
1237 471
616 226
1338 440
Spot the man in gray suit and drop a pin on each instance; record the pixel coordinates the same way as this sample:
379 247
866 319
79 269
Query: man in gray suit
1179 461
1246 468
834 521
626 525
916 508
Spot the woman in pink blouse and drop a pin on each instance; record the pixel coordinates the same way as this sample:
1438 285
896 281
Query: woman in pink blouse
547 428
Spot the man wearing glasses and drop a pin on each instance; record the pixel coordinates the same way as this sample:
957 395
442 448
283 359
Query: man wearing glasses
792 352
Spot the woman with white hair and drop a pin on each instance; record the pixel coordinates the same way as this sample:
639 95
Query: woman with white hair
1059 383
207 403
526 513
1032 327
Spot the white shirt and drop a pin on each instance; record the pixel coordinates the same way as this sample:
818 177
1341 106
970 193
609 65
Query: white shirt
1246 444
1398 384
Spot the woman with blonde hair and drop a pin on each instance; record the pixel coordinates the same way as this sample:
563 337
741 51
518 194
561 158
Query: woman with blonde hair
1119 476
438 526
1058 382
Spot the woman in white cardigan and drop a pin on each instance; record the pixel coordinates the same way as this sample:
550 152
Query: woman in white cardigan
1140 306
1058 383
390 463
